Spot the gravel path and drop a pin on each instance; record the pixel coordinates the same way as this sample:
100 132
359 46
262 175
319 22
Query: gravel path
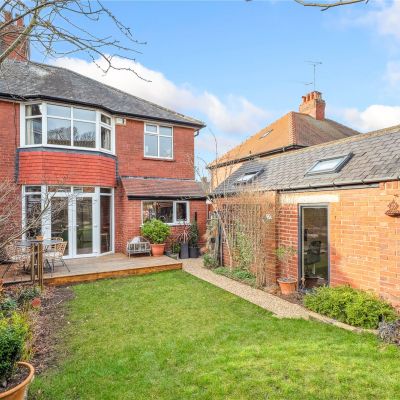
281 308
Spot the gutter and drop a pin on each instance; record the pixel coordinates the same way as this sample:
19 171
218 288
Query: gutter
253 156
106 109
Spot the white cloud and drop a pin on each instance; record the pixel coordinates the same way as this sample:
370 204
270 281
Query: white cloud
236 115
373 117
387 18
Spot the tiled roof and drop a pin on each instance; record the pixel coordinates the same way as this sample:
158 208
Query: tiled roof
375 158
162 188
293 129
29 80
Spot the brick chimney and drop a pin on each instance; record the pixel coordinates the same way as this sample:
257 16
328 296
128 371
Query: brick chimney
313 105
10 34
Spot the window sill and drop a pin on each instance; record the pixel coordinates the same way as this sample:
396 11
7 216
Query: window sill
159 159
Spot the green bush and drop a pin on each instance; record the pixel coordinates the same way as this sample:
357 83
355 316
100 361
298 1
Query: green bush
209 261
13 334
237 274
351 306
27 294
193 234
7 304
156 231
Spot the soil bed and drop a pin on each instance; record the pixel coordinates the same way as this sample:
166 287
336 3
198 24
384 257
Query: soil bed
20 374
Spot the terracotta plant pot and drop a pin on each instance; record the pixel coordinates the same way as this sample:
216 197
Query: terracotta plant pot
20 391
157 250
36 302
287 285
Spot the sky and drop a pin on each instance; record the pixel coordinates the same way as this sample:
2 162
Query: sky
240 65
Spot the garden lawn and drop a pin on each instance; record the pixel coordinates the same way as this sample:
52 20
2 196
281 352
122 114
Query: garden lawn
172 336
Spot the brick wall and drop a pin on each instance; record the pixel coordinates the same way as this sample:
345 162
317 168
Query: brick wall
131 161
69 168
128 214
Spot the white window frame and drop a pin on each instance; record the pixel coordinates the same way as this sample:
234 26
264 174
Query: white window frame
44 117
158 140
174 202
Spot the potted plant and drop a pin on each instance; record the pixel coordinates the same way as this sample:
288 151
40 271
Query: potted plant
15 376
193 240
287 284
184 242
157 233
175 249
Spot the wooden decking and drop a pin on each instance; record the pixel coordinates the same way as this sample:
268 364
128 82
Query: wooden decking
94 268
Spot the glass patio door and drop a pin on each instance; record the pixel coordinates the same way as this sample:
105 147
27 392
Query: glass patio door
314 260
83 226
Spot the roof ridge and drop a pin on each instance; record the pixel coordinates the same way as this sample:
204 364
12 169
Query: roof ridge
360 136
108 86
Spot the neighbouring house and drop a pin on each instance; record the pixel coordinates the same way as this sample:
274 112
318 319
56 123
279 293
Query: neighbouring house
338 205
122 159
293 131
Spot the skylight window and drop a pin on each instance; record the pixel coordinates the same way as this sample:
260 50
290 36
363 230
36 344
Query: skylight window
329 165
248 177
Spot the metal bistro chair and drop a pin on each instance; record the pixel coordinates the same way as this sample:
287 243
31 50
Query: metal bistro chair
55 253
16 255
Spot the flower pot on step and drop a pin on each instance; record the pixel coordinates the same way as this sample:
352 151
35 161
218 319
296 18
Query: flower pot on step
157 250
184 252
287 285
20 391
193 252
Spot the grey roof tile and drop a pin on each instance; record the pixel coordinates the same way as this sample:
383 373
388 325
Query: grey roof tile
289 171
29 80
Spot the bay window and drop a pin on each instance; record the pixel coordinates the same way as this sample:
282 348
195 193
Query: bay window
158 141
168 211
61 125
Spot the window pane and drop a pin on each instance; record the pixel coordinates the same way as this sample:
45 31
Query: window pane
181 211
34 109
105 223
105 138
84 189
151 145
59 131
32 189
327 165
162 210
33 130
84 134
105 119
151 128
165 147
166 130
81 113
105 190
58 111
32 215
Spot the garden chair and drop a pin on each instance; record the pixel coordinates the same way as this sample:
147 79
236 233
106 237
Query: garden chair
16 256
55 253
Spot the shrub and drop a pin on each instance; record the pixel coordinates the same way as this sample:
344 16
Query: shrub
7 304
209 261
27 294
156 231
193 234
237 274
13 334
351 306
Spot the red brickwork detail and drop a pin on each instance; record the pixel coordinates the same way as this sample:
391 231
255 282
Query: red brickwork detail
36 167
131 161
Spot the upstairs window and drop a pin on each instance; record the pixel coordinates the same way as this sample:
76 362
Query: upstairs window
66 126
158 141
329 165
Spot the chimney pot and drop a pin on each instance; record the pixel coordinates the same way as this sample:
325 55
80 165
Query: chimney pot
313 105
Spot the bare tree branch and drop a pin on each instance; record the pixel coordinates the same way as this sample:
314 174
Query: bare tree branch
329 4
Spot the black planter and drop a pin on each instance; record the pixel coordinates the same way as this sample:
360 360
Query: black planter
184 253
193 252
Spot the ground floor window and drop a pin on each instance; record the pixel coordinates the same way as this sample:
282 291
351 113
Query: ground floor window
168 211
80 215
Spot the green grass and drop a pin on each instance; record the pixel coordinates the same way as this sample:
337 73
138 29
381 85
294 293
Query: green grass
172 336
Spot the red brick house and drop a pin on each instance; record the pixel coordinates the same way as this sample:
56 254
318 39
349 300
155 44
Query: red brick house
338 205
124 158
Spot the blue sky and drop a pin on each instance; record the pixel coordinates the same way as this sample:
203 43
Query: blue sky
239 65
